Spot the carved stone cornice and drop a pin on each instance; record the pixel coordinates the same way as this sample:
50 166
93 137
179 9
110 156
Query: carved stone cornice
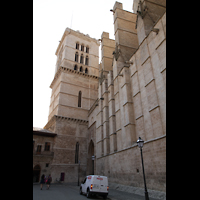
70 119
67 70
55 118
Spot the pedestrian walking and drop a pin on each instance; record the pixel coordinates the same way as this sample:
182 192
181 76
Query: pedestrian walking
42 181
49 179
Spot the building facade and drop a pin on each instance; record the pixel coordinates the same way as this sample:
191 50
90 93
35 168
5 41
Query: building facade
43 142
101 109
132 98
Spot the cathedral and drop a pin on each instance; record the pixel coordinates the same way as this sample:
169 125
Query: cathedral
98 111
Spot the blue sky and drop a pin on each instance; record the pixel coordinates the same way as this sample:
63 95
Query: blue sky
50 19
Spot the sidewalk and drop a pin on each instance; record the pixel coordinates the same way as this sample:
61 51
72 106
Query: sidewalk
139 191
128 191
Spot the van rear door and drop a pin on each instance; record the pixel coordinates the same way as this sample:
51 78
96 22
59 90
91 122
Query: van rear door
103 184
96 184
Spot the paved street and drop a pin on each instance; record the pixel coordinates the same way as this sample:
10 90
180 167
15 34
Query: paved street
67 192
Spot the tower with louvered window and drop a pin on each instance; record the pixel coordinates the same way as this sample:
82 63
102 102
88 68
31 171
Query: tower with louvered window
74 91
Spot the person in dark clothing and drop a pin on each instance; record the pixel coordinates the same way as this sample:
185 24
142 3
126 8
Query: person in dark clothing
49 179
42 181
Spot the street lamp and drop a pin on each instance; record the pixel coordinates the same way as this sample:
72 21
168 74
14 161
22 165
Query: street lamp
93 157
140 144
79 162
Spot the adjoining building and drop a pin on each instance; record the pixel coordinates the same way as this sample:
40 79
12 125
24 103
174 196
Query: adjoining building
43 141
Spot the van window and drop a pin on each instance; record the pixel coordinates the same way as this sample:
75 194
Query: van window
85 180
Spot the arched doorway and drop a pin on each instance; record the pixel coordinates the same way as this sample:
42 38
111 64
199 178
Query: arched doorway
90 160
36 173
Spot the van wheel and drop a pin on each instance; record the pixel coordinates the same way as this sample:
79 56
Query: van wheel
105 196
88 193
80 191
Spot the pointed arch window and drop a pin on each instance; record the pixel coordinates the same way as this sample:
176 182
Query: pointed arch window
86 70
86 60
76 57
79 98
76 152
81 61
75 67
81 69
77 46
82 47
87 49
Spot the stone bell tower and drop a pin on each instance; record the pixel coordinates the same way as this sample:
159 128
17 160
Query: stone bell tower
74 87
74 90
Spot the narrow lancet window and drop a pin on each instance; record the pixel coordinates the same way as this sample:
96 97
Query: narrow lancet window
81 61
81 69
77 46
79 98
82 47
86 60
76 153
75 67
76 57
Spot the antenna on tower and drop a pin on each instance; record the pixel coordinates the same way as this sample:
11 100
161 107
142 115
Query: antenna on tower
71 20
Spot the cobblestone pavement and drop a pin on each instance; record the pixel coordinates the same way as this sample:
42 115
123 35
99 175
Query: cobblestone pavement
68 192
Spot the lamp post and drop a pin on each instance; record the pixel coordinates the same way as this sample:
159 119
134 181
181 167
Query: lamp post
79 162
140 143
93 157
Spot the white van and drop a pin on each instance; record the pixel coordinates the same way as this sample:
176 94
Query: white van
95 184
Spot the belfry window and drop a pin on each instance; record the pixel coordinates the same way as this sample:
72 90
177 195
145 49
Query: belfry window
77 46
86 70
75 67
76 152
81 69
81 61
76 57
86 60
79 98
87 49
82 47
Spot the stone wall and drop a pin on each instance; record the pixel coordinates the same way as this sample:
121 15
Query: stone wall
124 167
69 132
132 104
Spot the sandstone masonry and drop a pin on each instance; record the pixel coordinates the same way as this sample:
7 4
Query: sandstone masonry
101 109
